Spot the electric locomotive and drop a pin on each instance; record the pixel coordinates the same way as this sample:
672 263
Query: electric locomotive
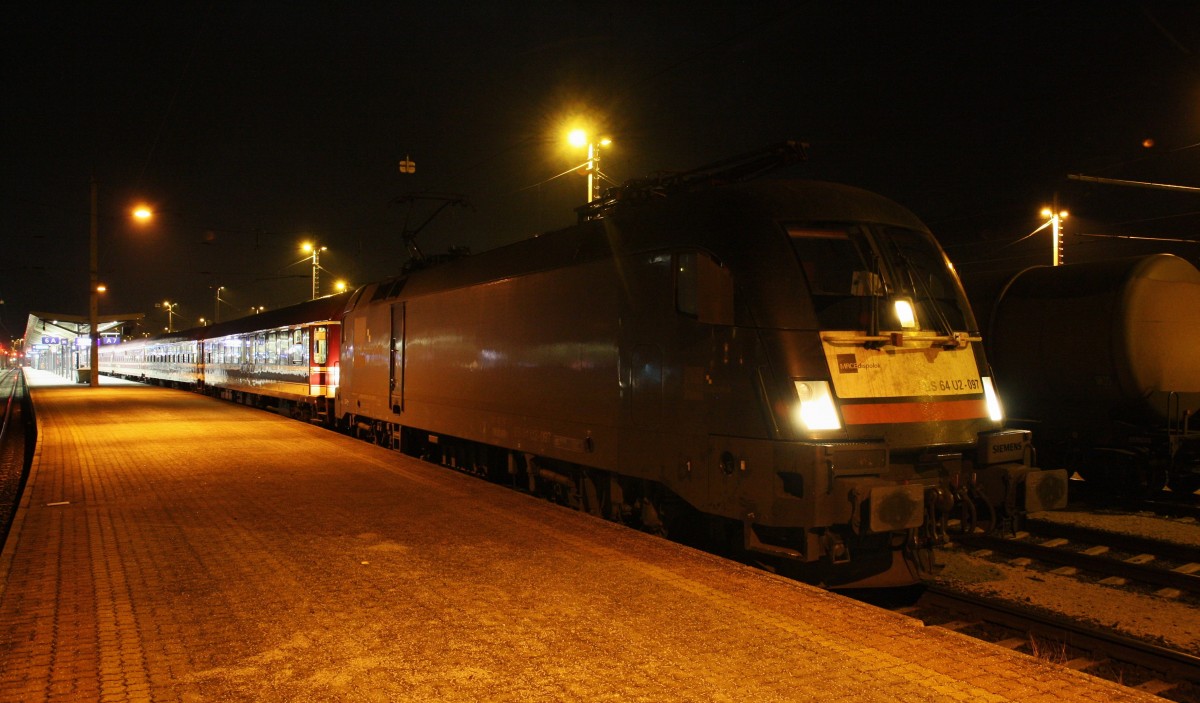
789 365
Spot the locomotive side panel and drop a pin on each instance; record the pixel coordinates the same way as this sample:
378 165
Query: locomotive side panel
529 363
365 359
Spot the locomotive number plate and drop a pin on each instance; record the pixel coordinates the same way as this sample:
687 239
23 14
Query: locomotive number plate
899 372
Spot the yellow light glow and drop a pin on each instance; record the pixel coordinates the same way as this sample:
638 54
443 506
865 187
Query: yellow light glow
577 137
605 141
995 412
100 287
817 410
143 213
1047 212
904 313
307 246
339 286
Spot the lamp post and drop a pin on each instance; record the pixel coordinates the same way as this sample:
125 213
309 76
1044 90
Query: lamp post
94 294
315 250
170 308
143 214
1056 217
579 137
217 305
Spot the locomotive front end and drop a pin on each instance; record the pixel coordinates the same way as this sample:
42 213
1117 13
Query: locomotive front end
879 388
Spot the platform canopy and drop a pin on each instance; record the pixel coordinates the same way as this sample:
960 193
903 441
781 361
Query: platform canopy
61 339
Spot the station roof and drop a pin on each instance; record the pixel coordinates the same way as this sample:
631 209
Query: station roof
45 328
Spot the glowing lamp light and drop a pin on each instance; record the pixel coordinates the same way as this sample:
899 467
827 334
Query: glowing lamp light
905 314
143 213
577 137
100 287
995 412
816 410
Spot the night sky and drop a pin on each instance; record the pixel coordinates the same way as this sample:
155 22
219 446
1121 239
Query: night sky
251 127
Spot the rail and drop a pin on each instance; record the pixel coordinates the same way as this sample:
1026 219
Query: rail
1178 665
15 444
1143 573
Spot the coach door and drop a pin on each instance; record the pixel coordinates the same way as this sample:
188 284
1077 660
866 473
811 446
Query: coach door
396 364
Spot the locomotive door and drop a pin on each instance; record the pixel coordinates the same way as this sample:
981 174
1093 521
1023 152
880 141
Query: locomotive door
396 362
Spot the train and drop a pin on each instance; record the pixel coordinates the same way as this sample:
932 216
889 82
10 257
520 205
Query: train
1099 360
787 368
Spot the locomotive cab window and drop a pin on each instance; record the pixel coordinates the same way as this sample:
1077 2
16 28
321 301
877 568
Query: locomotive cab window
919 270
831 258
898 277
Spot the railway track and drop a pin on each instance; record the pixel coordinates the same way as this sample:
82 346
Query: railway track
1102 652
1118 559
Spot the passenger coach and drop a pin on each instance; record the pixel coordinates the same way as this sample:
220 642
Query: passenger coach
286 359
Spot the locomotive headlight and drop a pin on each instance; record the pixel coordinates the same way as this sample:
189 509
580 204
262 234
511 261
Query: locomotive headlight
816 410
993 401
905 314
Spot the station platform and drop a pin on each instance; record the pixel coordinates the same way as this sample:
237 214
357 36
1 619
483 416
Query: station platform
171 547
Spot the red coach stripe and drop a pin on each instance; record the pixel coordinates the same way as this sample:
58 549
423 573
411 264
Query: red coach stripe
882 413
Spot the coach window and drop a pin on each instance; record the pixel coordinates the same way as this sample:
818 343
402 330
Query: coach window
320 346
300 347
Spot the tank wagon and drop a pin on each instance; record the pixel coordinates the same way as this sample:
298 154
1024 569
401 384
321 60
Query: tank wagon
284 359
792 365
1099 359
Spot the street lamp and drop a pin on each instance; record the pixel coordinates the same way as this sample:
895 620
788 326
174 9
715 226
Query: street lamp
1055 223
217 305
143 214
315 250
340 286
94 294
170 308
578 138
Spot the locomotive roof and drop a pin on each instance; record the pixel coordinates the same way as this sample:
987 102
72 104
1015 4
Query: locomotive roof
716 219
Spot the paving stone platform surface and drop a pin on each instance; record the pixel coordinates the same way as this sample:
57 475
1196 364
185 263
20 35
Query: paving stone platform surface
171 547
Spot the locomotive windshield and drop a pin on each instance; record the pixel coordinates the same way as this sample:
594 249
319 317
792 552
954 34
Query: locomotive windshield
849 267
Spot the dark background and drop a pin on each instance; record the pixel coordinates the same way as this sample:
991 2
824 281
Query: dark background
251 127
